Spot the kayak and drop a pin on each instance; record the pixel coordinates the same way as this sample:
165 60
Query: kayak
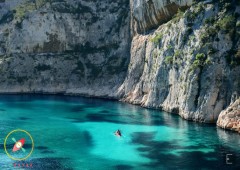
117 134
18 145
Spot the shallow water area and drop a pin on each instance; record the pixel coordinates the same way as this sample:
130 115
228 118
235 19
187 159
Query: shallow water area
78 133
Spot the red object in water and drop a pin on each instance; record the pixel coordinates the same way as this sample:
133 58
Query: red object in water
18 145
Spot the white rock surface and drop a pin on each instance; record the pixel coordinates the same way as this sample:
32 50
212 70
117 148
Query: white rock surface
135 51
230 117
73 47
197 94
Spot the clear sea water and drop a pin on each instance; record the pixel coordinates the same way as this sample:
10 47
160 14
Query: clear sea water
78 133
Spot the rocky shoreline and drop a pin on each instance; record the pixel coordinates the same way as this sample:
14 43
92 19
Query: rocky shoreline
230 117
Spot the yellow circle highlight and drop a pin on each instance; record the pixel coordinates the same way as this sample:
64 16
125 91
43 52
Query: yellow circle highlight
5 148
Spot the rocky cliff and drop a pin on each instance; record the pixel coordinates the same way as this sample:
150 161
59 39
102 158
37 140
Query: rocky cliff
189 65
230 117
180 56
57 46
149 14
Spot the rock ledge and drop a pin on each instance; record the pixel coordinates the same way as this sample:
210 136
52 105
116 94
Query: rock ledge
230 117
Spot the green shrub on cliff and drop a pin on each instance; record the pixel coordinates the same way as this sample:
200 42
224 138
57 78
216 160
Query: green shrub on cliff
209 21
200 56
178 15
21 10
198 62
169 47
157 38
208 61
209 33
178 53
204 37
190 16
27 6
227 23
168 60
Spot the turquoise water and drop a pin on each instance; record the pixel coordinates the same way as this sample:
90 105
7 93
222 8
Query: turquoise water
78 133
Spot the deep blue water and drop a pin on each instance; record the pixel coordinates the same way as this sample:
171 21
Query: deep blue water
77 133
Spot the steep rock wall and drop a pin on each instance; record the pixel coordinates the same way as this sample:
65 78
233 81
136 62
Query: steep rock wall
149 14
190 65
76 46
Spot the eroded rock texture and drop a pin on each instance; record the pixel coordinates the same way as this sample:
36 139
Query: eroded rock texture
75 46
230 117
149 14
189 65
175 55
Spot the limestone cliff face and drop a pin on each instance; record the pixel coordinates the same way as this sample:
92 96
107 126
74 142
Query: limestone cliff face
76 46
190 65
230 117
172 55
149 14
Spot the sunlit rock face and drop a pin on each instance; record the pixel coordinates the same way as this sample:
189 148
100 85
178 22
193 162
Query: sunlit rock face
76 46
230 117
174 55
149 14
184 66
